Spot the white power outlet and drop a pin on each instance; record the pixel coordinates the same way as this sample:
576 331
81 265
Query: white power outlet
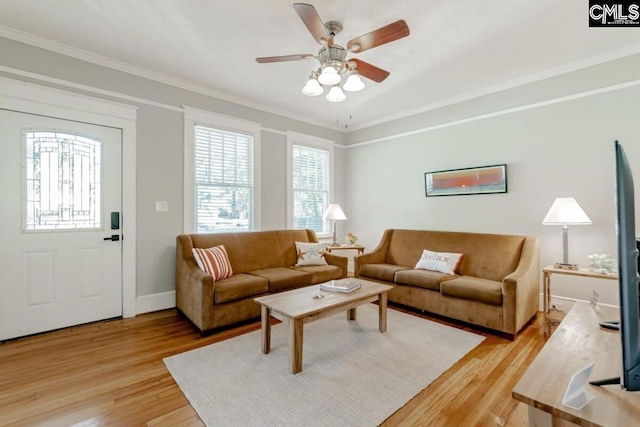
556 305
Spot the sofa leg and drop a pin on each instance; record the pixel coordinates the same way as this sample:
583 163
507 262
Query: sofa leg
207 333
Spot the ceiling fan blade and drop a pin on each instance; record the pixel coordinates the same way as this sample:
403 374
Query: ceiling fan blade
314 24
285 58
386 34
370 71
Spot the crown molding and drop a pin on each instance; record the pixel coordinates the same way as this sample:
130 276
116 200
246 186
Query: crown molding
117 95
85 88
19 91
585 94
94 58
611 55
156 76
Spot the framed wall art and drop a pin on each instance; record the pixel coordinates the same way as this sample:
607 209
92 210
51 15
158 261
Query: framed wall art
456 182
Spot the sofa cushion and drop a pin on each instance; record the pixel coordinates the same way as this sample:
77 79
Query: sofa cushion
214 261
444 262
310 253
422 278
490 256
254 250
239 286
282 278
473 288
321 273
384 272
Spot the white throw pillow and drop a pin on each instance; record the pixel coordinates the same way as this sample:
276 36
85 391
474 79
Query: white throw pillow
310 253
444 262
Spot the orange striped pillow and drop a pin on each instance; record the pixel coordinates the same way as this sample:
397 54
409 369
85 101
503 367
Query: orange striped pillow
214 261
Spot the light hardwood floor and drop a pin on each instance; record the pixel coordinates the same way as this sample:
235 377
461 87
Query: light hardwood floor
111 374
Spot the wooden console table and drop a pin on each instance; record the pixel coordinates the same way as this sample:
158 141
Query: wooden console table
546 283
359 248
577 342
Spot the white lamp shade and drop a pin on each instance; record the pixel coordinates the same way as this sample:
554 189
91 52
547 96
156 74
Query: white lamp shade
312 88
336 95
354 83
565 210
334 213
329 76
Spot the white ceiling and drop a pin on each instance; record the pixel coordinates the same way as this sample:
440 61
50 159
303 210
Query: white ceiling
456 47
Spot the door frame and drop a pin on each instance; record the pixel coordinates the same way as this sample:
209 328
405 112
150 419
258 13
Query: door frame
29 98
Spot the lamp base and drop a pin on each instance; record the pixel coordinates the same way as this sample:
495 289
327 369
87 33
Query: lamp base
563 266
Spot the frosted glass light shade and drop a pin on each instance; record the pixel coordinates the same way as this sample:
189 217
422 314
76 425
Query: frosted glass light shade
565 210
336 95
334 213
329 76
312 88
353 84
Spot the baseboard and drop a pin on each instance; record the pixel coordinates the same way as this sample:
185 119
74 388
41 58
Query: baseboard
567 302
155 302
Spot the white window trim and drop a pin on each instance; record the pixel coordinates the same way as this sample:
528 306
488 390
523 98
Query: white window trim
297 138
34 99
194 117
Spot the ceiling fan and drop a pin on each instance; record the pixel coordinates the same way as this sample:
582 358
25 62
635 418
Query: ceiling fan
332 57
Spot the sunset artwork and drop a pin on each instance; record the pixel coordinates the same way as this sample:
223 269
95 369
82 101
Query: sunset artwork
479 180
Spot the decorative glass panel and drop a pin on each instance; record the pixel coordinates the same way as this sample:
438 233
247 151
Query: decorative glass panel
62 181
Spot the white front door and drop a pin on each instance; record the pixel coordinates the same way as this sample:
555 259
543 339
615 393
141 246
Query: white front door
60 198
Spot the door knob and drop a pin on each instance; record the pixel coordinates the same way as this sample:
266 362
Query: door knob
113 238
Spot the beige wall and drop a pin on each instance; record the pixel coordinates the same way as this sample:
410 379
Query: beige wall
559 150
160 152
555 150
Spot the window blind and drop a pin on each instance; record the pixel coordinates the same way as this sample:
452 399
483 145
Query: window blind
311 185
223 181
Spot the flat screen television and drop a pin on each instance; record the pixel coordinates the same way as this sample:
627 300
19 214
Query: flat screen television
628 276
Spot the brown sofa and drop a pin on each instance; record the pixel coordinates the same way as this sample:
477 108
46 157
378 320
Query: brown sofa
497 285
263 262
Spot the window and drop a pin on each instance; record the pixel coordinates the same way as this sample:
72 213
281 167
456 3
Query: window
310 182
221 192
62 173
224 180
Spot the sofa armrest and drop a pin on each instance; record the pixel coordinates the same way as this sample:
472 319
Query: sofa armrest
338 261
521 289
376 256
194 288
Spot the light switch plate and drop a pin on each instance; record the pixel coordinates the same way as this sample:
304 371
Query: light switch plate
162 206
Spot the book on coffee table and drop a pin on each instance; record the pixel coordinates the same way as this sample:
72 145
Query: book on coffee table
344 287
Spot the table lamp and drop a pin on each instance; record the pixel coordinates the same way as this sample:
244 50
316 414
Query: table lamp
566 211
334 213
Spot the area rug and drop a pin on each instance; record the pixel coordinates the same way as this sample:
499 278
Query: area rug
352 375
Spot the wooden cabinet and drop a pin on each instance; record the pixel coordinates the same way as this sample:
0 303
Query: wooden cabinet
578 342
552 316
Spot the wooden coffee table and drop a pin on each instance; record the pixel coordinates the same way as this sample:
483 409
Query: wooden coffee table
298 307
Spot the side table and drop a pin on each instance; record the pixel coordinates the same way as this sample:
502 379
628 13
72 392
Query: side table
359 248
546 285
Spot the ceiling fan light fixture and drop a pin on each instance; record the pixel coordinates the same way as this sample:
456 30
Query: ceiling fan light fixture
329 76
312 88
354 83
333 57
336 95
